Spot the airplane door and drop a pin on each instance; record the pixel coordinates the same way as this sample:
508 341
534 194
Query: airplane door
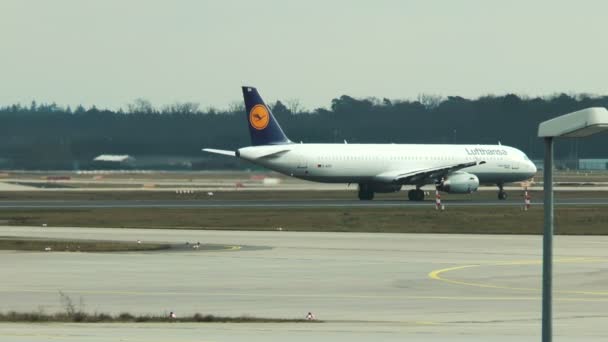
515 165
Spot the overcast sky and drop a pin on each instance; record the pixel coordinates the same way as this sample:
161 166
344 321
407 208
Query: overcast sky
109 52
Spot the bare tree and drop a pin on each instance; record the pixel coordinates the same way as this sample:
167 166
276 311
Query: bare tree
140 106
182 108
430 101
236 107
294 106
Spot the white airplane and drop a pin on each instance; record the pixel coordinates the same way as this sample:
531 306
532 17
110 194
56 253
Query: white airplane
379 168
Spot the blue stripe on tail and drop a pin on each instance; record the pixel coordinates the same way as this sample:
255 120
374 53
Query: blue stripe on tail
263 127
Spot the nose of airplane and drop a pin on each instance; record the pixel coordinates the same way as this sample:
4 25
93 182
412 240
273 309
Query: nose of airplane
532 168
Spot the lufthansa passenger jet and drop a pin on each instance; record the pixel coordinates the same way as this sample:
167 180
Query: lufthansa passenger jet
379 167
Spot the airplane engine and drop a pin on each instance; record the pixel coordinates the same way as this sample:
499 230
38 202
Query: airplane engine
459 183
383 187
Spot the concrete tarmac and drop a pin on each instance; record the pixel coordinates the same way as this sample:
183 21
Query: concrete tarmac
364 286
317 203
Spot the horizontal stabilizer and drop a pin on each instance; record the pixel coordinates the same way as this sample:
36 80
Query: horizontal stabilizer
223 152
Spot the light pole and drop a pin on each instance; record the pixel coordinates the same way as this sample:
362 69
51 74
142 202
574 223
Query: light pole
579 124
548 242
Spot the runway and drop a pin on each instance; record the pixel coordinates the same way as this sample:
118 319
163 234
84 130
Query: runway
386 287
211 203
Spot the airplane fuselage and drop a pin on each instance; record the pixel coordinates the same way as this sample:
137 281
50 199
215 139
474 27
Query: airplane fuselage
359 163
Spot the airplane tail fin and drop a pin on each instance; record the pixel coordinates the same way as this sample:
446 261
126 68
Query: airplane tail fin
263 127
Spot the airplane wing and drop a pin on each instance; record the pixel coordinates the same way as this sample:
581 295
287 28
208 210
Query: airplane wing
422 176
223 152
274 154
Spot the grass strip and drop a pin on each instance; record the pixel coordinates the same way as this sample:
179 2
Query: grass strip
83 317
26 244
578 220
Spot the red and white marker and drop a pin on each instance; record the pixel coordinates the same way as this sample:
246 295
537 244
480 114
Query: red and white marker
437 200
527 198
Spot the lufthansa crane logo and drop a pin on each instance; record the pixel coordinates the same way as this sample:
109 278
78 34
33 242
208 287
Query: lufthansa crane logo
259 117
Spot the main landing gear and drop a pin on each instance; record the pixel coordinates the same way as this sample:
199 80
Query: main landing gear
415 195
365 192
502 195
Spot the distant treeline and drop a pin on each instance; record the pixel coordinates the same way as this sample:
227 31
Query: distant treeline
43 136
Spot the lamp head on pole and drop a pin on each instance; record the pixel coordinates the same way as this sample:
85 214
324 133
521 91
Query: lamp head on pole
578 124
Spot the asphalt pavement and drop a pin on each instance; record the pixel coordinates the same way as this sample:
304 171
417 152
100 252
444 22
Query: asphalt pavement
364 286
